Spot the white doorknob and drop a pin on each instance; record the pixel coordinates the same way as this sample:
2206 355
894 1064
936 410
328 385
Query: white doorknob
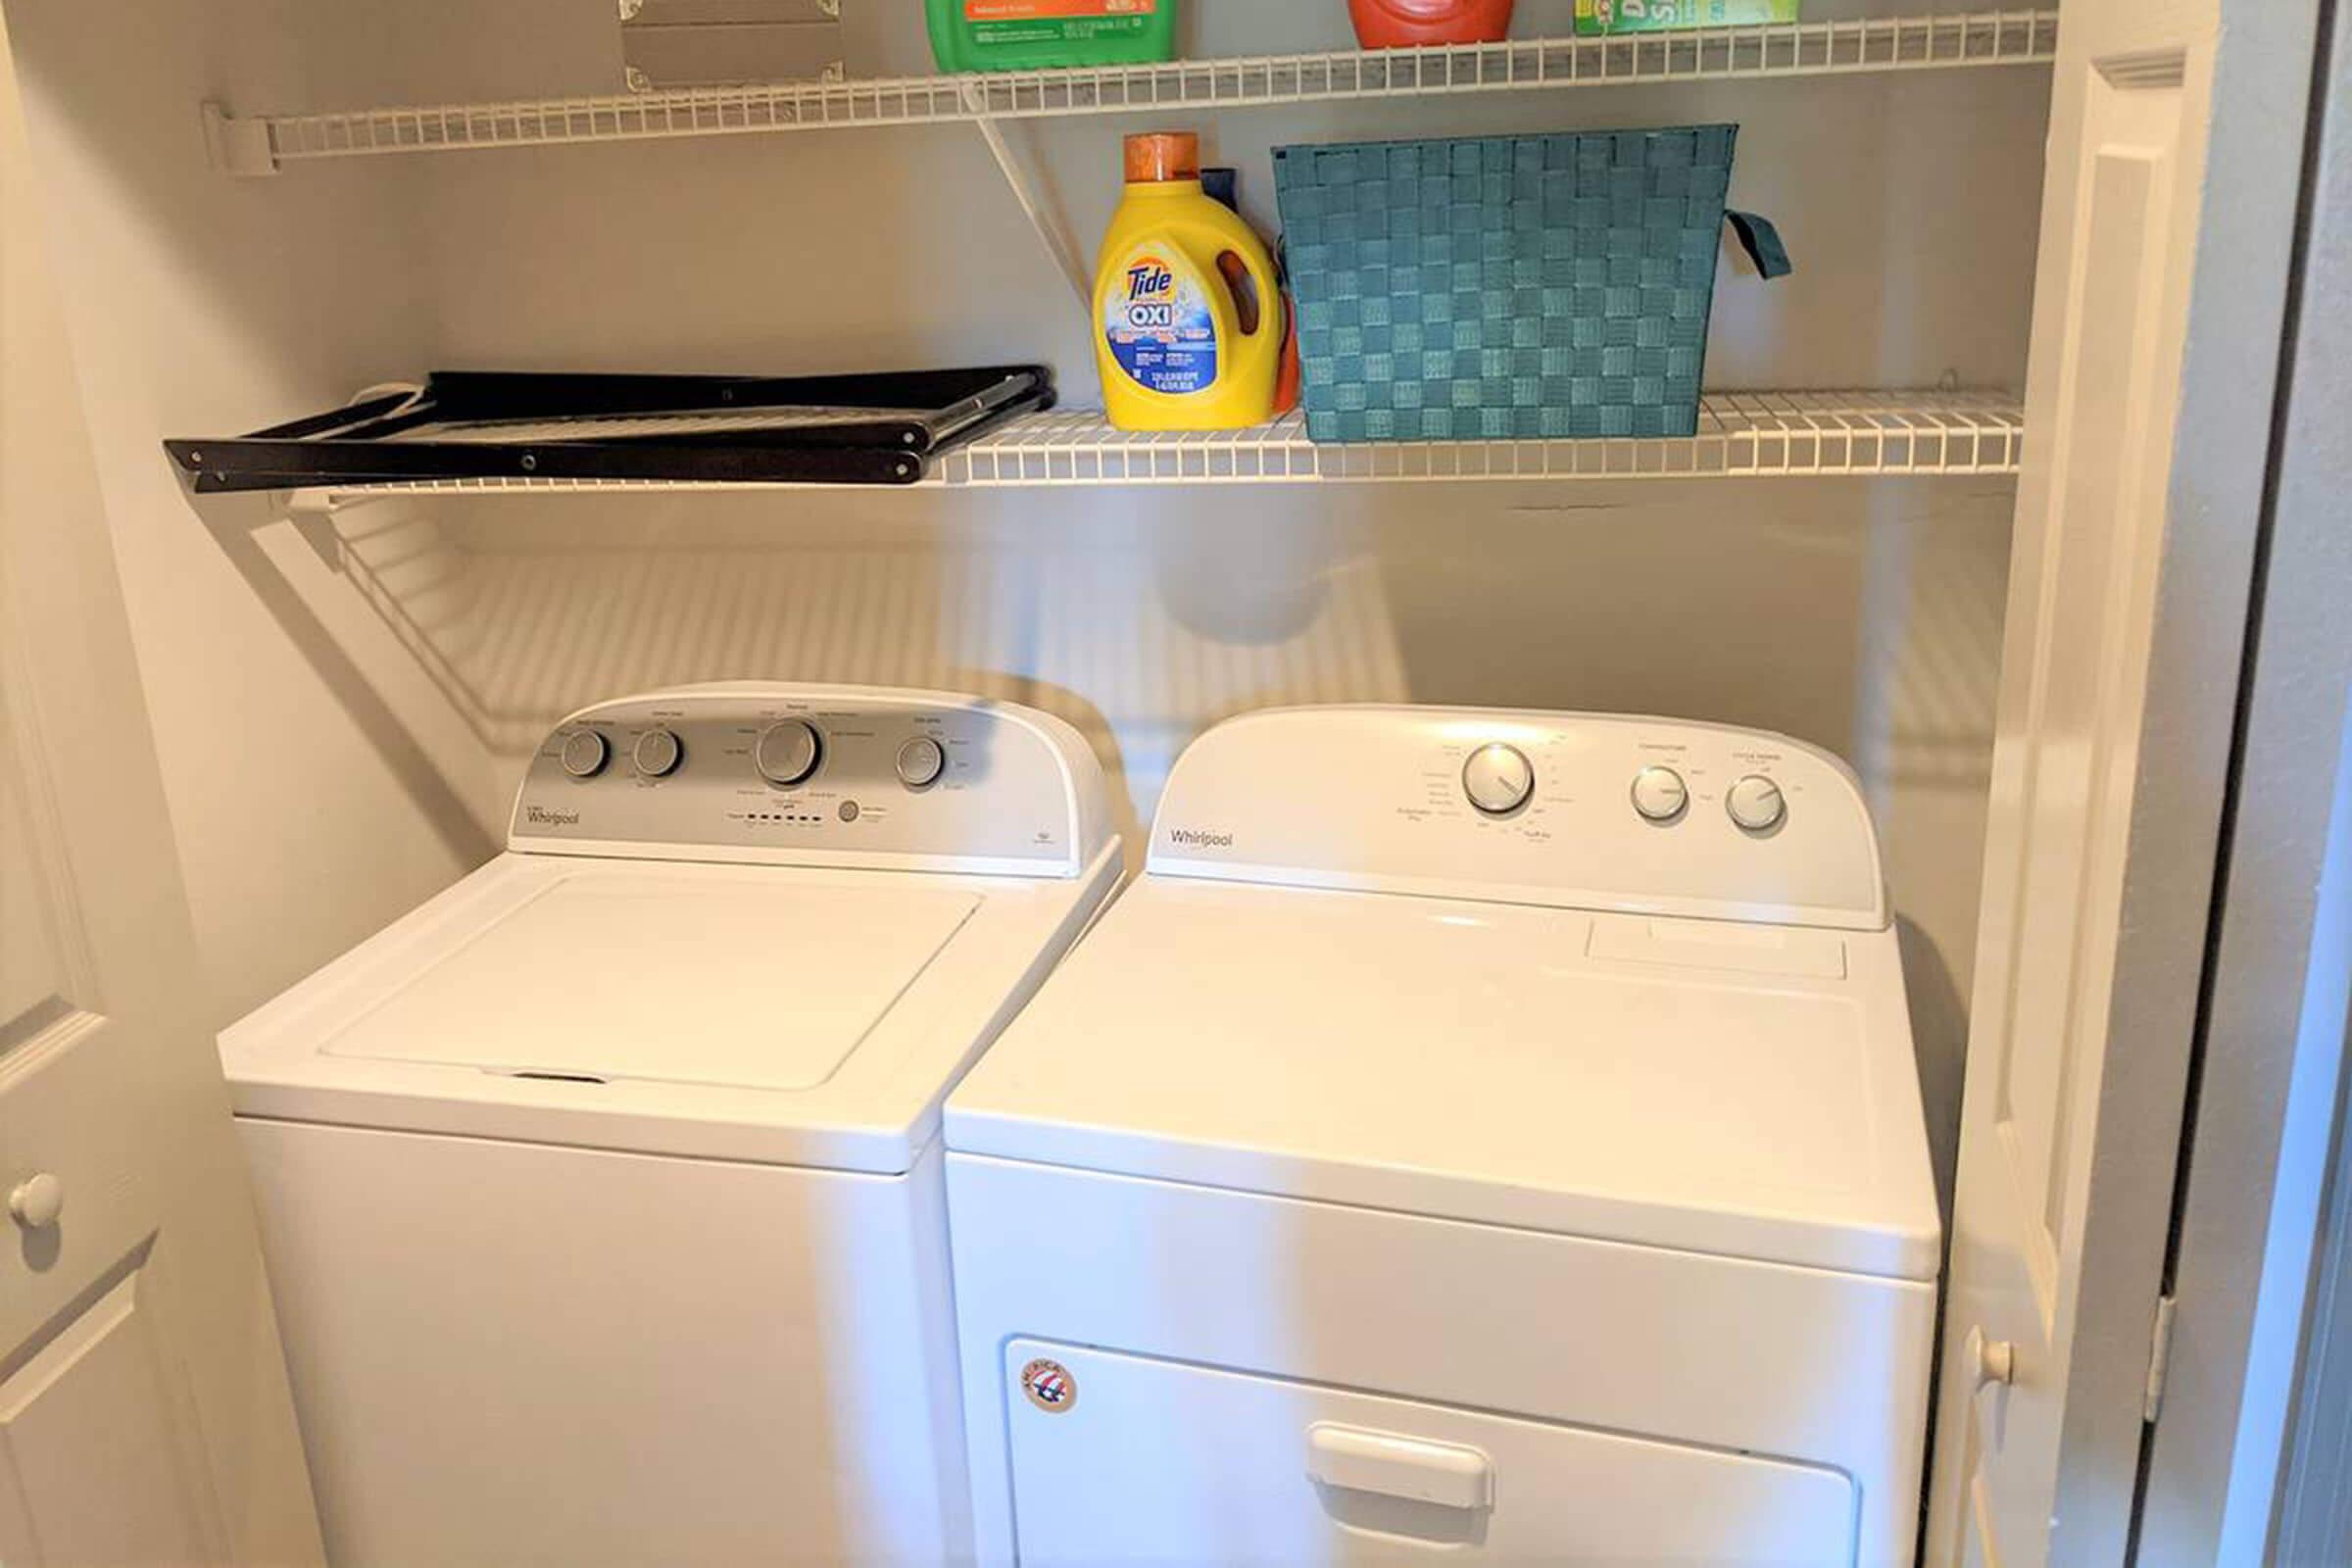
35 1202
1992 1360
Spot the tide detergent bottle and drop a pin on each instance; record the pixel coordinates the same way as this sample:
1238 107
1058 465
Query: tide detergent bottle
1188 306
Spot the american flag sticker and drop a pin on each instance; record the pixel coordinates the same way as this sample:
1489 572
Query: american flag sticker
1049 1386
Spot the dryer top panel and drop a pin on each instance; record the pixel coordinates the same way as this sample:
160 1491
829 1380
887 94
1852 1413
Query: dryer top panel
840 776
1572 810
1740 1091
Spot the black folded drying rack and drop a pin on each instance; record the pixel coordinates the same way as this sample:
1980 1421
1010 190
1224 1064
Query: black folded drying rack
877 430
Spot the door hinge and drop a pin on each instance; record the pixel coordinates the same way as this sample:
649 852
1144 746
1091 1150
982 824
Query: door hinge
2160 1358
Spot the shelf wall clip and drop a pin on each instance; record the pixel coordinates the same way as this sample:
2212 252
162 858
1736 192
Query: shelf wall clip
313 513
240 147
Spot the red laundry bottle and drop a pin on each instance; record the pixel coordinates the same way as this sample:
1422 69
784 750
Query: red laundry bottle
1403 23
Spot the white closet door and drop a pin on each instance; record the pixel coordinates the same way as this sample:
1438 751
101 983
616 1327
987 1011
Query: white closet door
144 1415
2156 336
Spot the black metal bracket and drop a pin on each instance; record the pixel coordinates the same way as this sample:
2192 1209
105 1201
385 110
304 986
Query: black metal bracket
879 429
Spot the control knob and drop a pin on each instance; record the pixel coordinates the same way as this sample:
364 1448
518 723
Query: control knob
585 754
1756 804
1499 779
921 763
787 752
658 753
1659 794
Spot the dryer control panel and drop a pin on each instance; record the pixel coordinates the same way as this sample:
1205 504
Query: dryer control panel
812 776
1579 810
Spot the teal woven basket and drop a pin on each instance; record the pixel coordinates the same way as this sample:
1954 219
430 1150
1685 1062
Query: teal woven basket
1508 287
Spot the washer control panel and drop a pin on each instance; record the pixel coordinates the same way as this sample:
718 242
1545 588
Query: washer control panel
818 775
1581 811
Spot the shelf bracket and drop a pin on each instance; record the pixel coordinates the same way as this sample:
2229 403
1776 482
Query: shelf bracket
1057 243
240 147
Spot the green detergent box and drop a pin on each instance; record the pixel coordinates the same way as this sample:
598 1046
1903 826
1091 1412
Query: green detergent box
1044 34
1597 17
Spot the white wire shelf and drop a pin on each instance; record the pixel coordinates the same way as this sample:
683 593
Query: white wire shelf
1795 49
1740 435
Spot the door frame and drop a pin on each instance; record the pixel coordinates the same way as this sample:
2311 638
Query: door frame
2267 1089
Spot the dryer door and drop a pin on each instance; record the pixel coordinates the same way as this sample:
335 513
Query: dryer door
1127 1460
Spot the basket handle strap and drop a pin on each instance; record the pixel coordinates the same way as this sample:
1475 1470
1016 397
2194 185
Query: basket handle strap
1761 241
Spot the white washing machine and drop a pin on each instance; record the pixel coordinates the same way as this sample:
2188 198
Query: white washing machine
1479 1135
602 1194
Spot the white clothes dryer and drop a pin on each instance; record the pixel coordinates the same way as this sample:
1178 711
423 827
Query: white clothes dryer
1487 1136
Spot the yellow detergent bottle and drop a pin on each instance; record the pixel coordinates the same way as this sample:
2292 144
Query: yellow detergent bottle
1188 308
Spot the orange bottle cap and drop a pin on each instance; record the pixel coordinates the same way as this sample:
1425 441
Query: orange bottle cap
1160 156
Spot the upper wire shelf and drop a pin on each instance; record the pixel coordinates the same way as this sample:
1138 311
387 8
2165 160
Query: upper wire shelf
1795 49
1740 435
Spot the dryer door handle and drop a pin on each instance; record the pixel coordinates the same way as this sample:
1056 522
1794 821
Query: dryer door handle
1361 1461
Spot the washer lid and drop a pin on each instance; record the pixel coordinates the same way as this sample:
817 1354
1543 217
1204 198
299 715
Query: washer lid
1745 1091
666 977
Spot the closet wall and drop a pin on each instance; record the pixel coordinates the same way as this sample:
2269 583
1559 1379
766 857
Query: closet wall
343 704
